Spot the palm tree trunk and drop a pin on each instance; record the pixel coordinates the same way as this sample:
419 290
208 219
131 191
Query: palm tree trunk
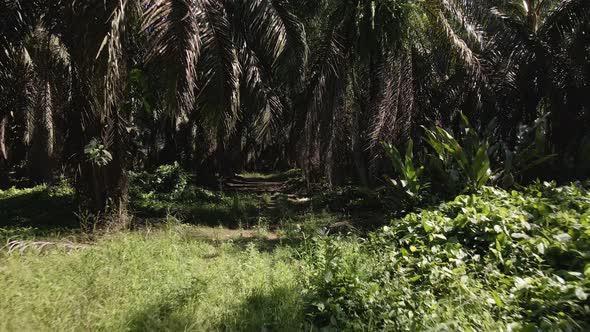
117 184
3 152
223 163
41 156
103 190
357 149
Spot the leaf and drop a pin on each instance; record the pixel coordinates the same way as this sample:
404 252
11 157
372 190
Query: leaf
581 294
102 45
328 276
497 299
563 237
439 236
541 248
415 278
521 283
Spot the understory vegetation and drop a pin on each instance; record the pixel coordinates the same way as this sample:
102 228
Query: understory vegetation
493 260
295 165
173 281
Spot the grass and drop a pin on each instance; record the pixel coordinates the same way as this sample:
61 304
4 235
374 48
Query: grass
168 277
494 260
292 174
154 280
50 207
229 210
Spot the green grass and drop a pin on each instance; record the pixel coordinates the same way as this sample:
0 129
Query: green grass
157 280
292 174
492 261
230 210
41 205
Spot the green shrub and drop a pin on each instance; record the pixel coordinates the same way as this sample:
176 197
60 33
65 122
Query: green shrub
169 191
39 206
167 182
464 163
410 183
348 199
497 260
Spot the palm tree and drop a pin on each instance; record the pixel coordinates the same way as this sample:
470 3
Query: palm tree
230 55
540 48
376 60
216 61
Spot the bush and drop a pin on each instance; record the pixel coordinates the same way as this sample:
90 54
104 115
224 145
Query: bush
168 181
169 191
497 260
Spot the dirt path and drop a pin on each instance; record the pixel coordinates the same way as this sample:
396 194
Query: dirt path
254 185
277 193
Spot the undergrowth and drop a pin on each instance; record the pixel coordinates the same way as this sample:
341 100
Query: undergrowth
495 261
154 280
171 191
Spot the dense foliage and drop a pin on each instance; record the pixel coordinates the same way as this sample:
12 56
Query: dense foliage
121 119
94 89
170 191
497 260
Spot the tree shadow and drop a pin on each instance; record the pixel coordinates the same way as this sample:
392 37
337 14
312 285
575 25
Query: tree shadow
281 309
164 314
41 209
278 310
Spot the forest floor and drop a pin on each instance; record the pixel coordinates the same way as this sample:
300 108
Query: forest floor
263 255
208 262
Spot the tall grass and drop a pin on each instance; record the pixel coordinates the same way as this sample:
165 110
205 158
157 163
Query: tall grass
162 280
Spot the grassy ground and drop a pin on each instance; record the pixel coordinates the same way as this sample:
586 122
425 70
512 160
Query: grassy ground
179 278
226 267
276 261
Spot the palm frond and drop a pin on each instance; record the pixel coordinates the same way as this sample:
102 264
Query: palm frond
174 34
565 18
470 59
295 55
115 71
219 94
260 96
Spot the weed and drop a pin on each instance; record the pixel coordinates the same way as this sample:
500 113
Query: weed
155 280
493 261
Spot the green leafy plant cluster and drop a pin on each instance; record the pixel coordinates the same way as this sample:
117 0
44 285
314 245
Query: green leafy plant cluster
464 163
410 182
452 165
497 260
97 153
169 191
167 182
467 160
525 158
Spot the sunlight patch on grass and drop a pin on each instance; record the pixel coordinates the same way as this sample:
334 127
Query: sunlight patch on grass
277 176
